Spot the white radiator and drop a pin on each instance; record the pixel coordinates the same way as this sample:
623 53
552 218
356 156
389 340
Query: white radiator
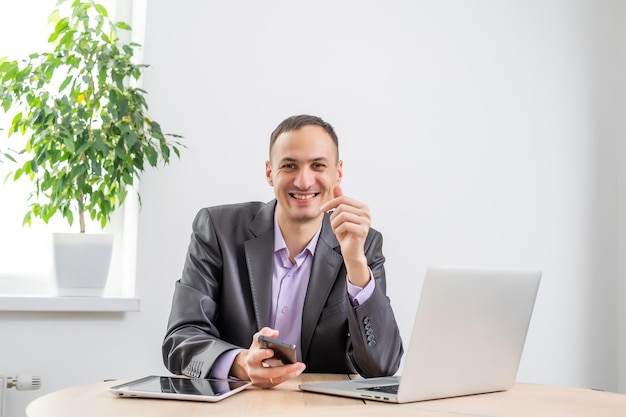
21 383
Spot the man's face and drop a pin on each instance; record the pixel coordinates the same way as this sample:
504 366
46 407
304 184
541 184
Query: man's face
303 169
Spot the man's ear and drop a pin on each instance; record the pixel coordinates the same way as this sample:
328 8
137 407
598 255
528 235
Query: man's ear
268 173
339 171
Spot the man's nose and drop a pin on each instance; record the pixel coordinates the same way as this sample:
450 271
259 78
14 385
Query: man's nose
305 179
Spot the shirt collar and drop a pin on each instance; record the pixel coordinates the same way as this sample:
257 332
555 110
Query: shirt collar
279 240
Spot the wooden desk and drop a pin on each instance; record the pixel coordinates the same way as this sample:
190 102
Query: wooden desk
523 400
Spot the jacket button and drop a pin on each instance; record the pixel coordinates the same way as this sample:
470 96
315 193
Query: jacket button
366 320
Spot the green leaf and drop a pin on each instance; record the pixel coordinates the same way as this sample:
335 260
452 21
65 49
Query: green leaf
138 163
156 131
9 157
15 123
33 165
123 26
83 148
7 102
122 106
118 79
60 26
80 179
53 37
69 144
128 178
7 66
18 174
96 168
11 72
120 152
102 10
68 38
27 221
165 151
67 213
131 139
53 17
100 145
65 83
152 156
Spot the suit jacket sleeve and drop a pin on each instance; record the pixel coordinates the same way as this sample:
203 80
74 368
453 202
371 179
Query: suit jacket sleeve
375 347
194 338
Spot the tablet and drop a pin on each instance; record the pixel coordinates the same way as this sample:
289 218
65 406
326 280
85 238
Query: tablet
179 388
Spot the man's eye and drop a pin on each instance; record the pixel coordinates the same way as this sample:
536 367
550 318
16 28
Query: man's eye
288 166
319 166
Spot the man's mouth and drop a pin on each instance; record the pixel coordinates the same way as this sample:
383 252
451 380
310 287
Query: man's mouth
308 196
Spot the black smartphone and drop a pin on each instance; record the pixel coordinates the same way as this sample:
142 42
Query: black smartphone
284 352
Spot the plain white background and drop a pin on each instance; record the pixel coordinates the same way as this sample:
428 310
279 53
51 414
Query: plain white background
478 132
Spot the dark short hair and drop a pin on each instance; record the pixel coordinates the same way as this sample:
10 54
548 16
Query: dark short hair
299 121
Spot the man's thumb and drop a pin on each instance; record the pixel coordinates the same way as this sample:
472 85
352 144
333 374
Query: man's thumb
337 191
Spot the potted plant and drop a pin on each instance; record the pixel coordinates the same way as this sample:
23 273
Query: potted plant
82 123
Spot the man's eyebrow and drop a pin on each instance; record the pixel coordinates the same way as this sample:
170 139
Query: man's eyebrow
289 159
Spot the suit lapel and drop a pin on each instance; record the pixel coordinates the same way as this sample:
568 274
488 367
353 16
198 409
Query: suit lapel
326 264
259 253
260 262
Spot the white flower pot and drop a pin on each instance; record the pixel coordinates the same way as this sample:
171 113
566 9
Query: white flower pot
81 263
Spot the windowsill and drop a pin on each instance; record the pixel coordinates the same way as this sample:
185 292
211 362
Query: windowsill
68 304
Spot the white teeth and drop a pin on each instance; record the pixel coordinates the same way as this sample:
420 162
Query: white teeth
303 196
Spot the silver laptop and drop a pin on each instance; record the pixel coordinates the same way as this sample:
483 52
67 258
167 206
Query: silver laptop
468 337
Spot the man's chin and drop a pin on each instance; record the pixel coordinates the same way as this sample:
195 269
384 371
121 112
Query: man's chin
308 215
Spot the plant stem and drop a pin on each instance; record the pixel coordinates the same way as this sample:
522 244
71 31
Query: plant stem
81 220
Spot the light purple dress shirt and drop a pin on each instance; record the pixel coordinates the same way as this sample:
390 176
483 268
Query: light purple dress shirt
289 285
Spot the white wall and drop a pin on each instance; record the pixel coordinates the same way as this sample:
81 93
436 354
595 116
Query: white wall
483 132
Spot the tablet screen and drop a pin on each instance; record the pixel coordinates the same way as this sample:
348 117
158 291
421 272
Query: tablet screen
183 388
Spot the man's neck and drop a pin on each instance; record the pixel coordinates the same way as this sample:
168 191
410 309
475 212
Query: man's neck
298 234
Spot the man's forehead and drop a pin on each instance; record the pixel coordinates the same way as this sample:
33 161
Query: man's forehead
297 145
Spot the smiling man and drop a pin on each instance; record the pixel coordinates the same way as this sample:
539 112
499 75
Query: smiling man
305 268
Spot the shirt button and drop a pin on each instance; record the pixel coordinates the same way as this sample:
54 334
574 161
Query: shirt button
285 310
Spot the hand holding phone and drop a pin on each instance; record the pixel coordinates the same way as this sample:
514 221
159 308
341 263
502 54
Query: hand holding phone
284 352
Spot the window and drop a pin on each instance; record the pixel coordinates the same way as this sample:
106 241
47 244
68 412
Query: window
26 252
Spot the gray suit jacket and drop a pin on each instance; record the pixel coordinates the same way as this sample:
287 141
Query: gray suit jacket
224 297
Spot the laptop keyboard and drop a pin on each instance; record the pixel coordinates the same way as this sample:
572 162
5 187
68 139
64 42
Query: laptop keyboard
388 389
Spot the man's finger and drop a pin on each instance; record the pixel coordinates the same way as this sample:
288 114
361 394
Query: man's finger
337 191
